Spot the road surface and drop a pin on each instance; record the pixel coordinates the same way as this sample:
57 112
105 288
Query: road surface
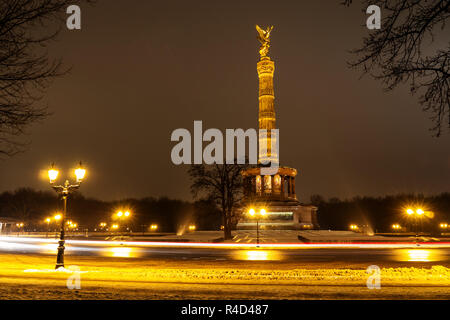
389 254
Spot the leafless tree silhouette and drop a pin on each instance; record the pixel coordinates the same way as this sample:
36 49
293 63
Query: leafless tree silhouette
221 183
26 70
406 50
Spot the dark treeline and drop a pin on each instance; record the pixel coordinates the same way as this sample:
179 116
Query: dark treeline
172 215
381 212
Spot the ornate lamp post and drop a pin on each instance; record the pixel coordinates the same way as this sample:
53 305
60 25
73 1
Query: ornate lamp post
64 191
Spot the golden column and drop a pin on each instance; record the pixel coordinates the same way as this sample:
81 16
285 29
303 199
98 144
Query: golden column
266 117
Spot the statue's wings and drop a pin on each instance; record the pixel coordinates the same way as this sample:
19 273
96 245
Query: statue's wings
261 32
268 31
263 35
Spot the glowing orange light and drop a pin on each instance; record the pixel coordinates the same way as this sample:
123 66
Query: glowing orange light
52 175
80 173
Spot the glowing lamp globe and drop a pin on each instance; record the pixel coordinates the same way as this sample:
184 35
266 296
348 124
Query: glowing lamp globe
52 175
80 173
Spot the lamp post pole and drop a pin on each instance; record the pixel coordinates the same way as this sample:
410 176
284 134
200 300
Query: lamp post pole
257 216
64 191
48 226
257 232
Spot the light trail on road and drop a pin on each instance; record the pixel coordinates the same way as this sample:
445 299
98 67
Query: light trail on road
301 252
378 245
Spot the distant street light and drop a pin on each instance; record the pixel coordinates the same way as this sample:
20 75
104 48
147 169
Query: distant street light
417 215
48 220
253 214
64 191
122 215
19 227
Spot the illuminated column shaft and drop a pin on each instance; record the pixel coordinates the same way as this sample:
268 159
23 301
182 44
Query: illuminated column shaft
266 117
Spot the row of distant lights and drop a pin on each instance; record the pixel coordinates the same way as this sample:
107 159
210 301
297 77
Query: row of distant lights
115 226
153 227
398 227
58 217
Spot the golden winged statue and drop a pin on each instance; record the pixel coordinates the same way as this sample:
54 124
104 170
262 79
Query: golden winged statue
264 38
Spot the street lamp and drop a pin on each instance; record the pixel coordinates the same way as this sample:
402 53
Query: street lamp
19 227
416 214
48 220
257 215
64 191
122 215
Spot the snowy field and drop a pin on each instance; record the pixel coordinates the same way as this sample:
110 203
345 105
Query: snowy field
33 277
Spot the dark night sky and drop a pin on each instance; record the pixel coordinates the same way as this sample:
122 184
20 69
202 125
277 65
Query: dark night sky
142 69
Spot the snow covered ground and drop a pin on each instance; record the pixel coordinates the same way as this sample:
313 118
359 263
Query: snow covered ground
33 277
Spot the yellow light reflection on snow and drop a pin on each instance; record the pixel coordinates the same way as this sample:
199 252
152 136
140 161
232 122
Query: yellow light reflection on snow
121 252
257 255
419 255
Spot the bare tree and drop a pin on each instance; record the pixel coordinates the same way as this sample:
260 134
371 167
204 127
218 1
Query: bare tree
26 28
402 52
223 184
